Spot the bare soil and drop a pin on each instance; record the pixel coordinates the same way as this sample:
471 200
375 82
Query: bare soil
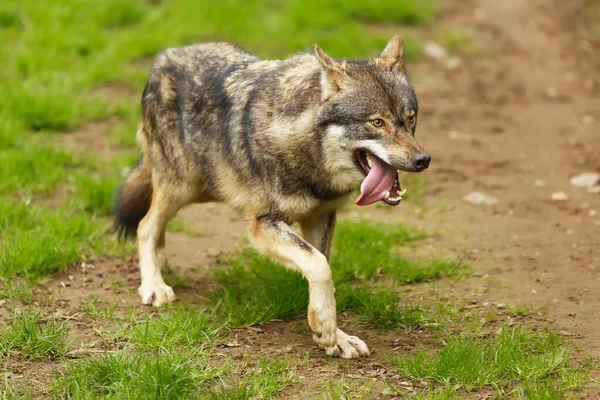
523 109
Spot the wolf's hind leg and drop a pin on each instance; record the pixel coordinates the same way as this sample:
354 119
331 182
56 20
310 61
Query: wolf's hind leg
318 231
166 201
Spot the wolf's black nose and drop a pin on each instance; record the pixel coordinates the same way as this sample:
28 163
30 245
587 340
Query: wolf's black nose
421 161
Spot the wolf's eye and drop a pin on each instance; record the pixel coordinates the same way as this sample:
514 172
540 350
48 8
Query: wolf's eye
377 123
410 119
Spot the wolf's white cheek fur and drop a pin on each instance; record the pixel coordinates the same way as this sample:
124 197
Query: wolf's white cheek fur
339 158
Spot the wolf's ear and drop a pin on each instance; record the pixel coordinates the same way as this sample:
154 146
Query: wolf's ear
332 72
393 55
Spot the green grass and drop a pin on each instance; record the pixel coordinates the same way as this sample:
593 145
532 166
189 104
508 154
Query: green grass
95 310
97 192
363 250
168 375
10 391
380 307
256 290
37 241
347 388
31 336
176 326
265 379
172 375
516 356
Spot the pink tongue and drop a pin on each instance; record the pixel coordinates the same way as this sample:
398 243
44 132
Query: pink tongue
378 182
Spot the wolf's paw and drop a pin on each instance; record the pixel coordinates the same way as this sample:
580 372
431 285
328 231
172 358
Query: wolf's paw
156 293
348 347
323 323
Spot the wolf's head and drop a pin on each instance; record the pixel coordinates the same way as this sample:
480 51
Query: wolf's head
369 111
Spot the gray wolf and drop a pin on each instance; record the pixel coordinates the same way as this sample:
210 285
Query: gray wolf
280 141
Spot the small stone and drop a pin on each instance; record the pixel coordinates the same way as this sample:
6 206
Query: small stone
587 119
478 198
500 305
434 50
551 93
455 135
533 291
559 196
486 304
592 213
587 179
594 189
569 231
539 183
453 63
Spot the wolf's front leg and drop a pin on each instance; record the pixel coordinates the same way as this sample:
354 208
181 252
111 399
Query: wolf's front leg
275 238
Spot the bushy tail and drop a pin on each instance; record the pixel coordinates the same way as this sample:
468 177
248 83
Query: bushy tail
133 200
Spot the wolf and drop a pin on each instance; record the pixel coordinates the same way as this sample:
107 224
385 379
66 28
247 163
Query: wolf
280 141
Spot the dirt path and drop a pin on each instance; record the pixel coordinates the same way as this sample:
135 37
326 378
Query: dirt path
525 111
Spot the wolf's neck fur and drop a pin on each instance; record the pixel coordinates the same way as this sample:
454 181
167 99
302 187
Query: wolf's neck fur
314 151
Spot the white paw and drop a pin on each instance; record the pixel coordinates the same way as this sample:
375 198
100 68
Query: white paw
348 347
156 293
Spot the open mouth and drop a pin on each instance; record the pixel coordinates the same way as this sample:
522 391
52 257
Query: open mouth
381 181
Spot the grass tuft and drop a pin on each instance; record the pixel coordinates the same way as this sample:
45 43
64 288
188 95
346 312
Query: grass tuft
176 326
166 376
266 379
10 391
380 307
97 193
256 290
348 388
37 241
32 336
515 356
95 310
363 251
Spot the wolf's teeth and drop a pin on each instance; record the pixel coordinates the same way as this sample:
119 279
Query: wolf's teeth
369 160
387 196
402 192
